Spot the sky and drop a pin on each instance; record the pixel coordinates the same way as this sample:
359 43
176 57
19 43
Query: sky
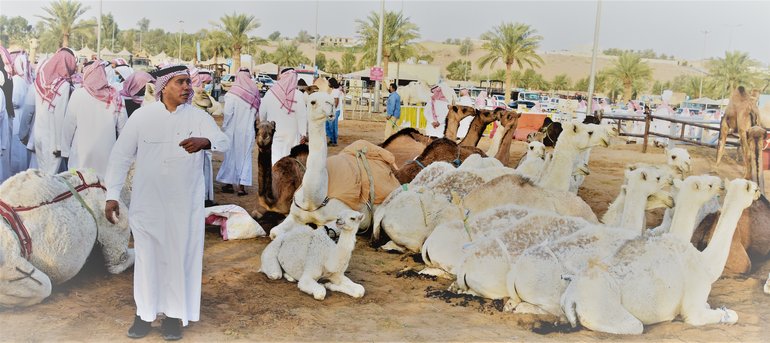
669 27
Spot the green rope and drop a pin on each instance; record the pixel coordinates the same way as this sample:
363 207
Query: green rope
76 195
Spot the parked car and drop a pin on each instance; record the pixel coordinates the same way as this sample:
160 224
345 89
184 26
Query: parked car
226 81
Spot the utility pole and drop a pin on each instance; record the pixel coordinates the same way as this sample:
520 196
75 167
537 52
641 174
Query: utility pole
315 39
377 99
702 76
99 32
593 58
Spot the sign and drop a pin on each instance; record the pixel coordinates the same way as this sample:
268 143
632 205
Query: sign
229 62
198 51
375 74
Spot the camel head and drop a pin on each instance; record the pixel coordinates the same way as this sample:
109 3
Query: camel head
508 119
459 112
741 193
535 149
265 132
679 159
322 85
21 284
349 220
201 99
149 93
650 182
487 116
699 188
580 136
321 107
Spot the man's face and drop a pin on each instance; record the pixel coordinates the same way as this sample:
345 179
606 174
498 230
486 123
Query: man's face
177 90
390 89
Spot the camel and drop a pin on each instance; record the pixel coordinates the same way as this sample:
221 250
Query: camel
550 262
309 255
415 93
61 230
531 165
548 133
501 143
406 144
741 113
585 154
655 279
455 115
441 149
479 124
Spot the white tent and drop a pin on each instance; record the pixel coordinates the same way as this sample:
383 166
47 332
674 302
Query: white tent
85 52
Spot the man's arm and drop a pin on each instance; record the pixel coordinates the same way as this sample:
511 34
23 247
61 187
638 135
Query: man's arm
122 155
69 126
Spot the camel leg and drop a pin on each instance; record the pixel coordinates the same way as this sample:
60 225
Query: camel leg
341 283
514 301
270 265
114 240
745 154
598 306
288 224
724 130
24 290
696 311
308 284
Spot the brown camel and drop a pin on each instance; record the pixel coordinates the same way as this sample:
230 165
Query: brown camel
406 144
442 149
742 113
479 124
456 114
508 120
752 235
277 183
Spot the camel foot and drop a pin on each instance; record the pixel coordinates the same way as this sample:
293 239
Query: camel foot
391 246
437 272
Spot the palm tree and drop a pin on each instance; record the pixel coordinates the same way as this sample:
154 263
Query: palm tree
215 44
237 27
397 36
61 18
288 55
629 68
511 43
561 82
348 61
333 67
733 70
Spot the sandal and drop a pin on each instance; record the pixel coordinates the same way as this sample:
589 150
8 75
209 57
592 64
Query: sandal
228 189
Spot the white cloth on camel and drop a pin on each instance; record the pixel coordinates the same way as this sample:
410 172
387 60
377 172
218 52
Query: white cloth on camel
166 212
89 131
48 128
288 127
5 141
19 152
238 125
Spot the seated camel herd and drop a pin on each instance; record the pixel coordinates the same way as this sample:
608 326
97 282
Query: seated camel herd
519 233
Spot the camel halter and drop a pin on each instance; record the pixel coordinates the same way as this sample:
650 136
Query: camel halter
11 214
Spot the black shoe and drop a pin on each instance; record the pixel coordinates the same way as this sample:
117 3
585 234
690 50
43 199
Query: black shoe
228 189
209 203
171 328
140 328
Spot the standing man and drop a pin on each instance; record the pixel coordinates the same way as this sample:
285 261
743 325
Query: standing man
6 113
332 127
240 113
436 112
23 94
133 90
53 85
285 105
392 110
167 139
95 116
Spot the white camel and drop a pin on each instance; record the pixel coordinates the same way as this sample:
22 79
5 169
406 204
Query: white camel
655 279
585 154
548 263
61 234
309 255
573 140
531 165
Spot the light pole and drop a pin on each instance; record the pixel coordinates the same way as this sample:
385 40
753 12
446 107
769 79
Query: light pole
180 41
593 58
379 57
315 38
730 40
99 32
702 76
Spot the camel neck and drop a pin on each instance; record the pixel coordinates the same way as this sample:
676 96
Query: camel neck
504 151
450 126
344 248
497 141
265 173
475 132
614 211
715 254
634 209
685 213
559 171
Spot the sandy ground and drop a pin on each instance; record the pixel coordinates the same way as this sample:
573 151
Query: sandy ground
240 304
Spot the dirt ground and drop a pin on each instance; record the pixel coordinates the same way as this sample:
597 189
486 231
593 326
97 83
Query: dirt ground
240 304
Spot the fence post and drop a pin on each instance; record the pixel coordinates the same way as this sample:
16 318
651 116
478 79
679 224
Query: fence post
647 120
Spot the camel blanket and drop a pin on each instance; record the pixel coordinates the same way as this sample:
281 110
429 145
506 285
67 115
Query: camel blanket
349 181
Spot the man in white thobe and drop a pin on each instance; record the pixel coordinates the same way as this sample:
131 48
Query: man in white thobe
95 115
465 123
285 105
53 85
166 139
435 112
5 138
22 82
240 112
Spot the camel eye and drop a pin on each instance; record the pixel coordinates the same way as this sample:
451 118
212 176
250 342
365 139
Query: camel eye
590 133
673 157
531 148
312 102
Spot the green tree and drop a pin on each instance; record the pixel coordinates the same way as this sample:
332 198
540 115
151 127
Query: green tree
304 37
459 70
348 61
143 24
561 82
427 58
274 36
466 47
237 27
333 67
511 43
288 55
215 44
397 38
733 70
627 69
581 84
62 16
533 80
263 57
15 30
320 60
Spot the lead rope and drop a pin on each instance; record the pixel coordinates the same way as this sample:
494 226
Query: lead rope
361 157
83 203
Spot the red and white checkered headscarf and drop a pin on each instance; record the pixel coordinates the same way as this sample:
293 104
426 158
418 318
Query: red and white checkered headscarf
95 83
21 65
245 88
284 89
161 81
135 83
54 73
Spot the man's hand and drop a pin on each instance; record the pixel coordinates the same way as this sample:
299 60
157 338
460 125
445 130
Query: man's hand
57 153
112 211
435 124
195 144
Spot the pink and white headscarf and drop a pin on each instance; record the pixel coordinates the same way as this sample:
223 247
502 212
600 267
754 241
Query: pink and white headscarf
438 95
481 100
95 83
246 89
119 61
7 61
54 73
198 77
161 81
284 89
134 84
21 65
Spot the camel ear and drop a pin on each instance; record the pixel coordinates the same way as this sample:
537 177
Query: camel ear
272 124
644 176
454 108
696 185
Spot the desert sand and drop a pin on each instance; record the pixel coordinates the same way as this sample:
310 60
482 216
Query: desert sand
240 304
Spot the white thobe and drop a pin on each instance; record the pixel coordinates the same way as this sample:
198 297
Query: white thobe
238 125
166 212
89 132
288 127
441 112
465 124
27 126
5 141
19 152
48 127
